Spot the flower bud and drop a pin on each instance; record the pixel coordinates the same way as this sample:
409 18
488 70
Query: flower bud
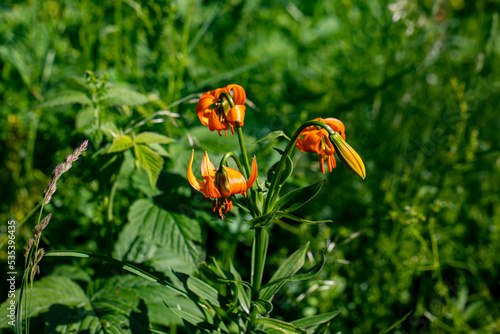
222 182
348 156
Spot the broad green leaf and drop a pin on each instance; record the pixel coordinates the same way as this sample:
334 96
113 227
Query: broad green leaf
121 143
151 138
281 326
203 290
288 268
315 320
150 161
273 135
300 277
121 96
149 223
120 264
64 98
157 148
301 220
47 291
119 304
298 197
262 221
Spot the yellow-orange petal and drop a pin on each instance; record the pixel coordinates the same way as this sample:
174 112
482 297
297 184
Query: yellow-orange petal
348 156
236 115
253 174
191 178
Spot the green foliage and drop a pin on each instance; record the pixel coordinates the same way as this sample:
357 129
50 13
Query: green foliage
414 246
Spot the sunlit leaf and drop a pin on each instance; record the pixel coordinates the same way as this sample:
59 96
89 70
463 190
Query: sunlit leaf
118 96
121 143
151 138
150 161
64 98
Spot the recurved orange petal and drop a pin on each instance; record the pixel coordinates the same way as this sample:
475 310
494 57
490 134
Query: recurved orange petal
253 174
239 95
207 168
191 178
236 115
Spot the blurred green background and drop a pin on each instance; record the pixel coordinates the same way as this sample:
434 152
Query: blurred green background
415 82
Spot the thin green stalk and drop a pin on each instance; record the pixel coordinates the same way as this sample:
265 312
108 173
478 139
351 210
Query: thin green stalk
275 188
260 250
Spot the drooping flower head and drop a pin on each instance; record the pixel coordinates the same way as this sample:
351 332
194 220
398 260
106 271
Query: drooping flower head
220 184
315 139
214 110
318 140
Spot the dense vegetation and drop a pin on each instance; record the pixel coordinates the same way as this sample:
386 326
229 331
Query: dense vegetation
414 245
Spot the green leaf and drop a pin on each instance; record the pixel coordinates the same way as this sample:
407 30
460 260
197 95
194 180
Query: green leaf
285 174
150 161
120 264
64 98
300 277
315 320
262 221
122 96
288 268
188 316
301 220
147 223
264 307
273 135
243 297
281 326
121 143
120 304
298 197
151 138
396 323
203 290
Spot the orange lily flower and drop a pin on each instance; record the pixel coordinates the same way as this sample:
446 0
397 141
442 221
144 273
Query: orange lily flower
215 112
220 184
312 139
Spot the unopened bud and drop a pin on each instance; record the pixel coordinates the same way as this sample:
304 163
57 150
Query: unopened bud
222 182
348 156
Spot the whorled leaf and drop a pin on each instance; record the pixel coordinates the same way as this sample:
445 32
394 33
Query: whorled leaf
298 197
288 268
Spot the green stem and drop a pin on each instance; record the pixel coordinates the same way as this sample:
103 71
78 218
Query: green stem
260 250
232 155
111 200
275 188
253 194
